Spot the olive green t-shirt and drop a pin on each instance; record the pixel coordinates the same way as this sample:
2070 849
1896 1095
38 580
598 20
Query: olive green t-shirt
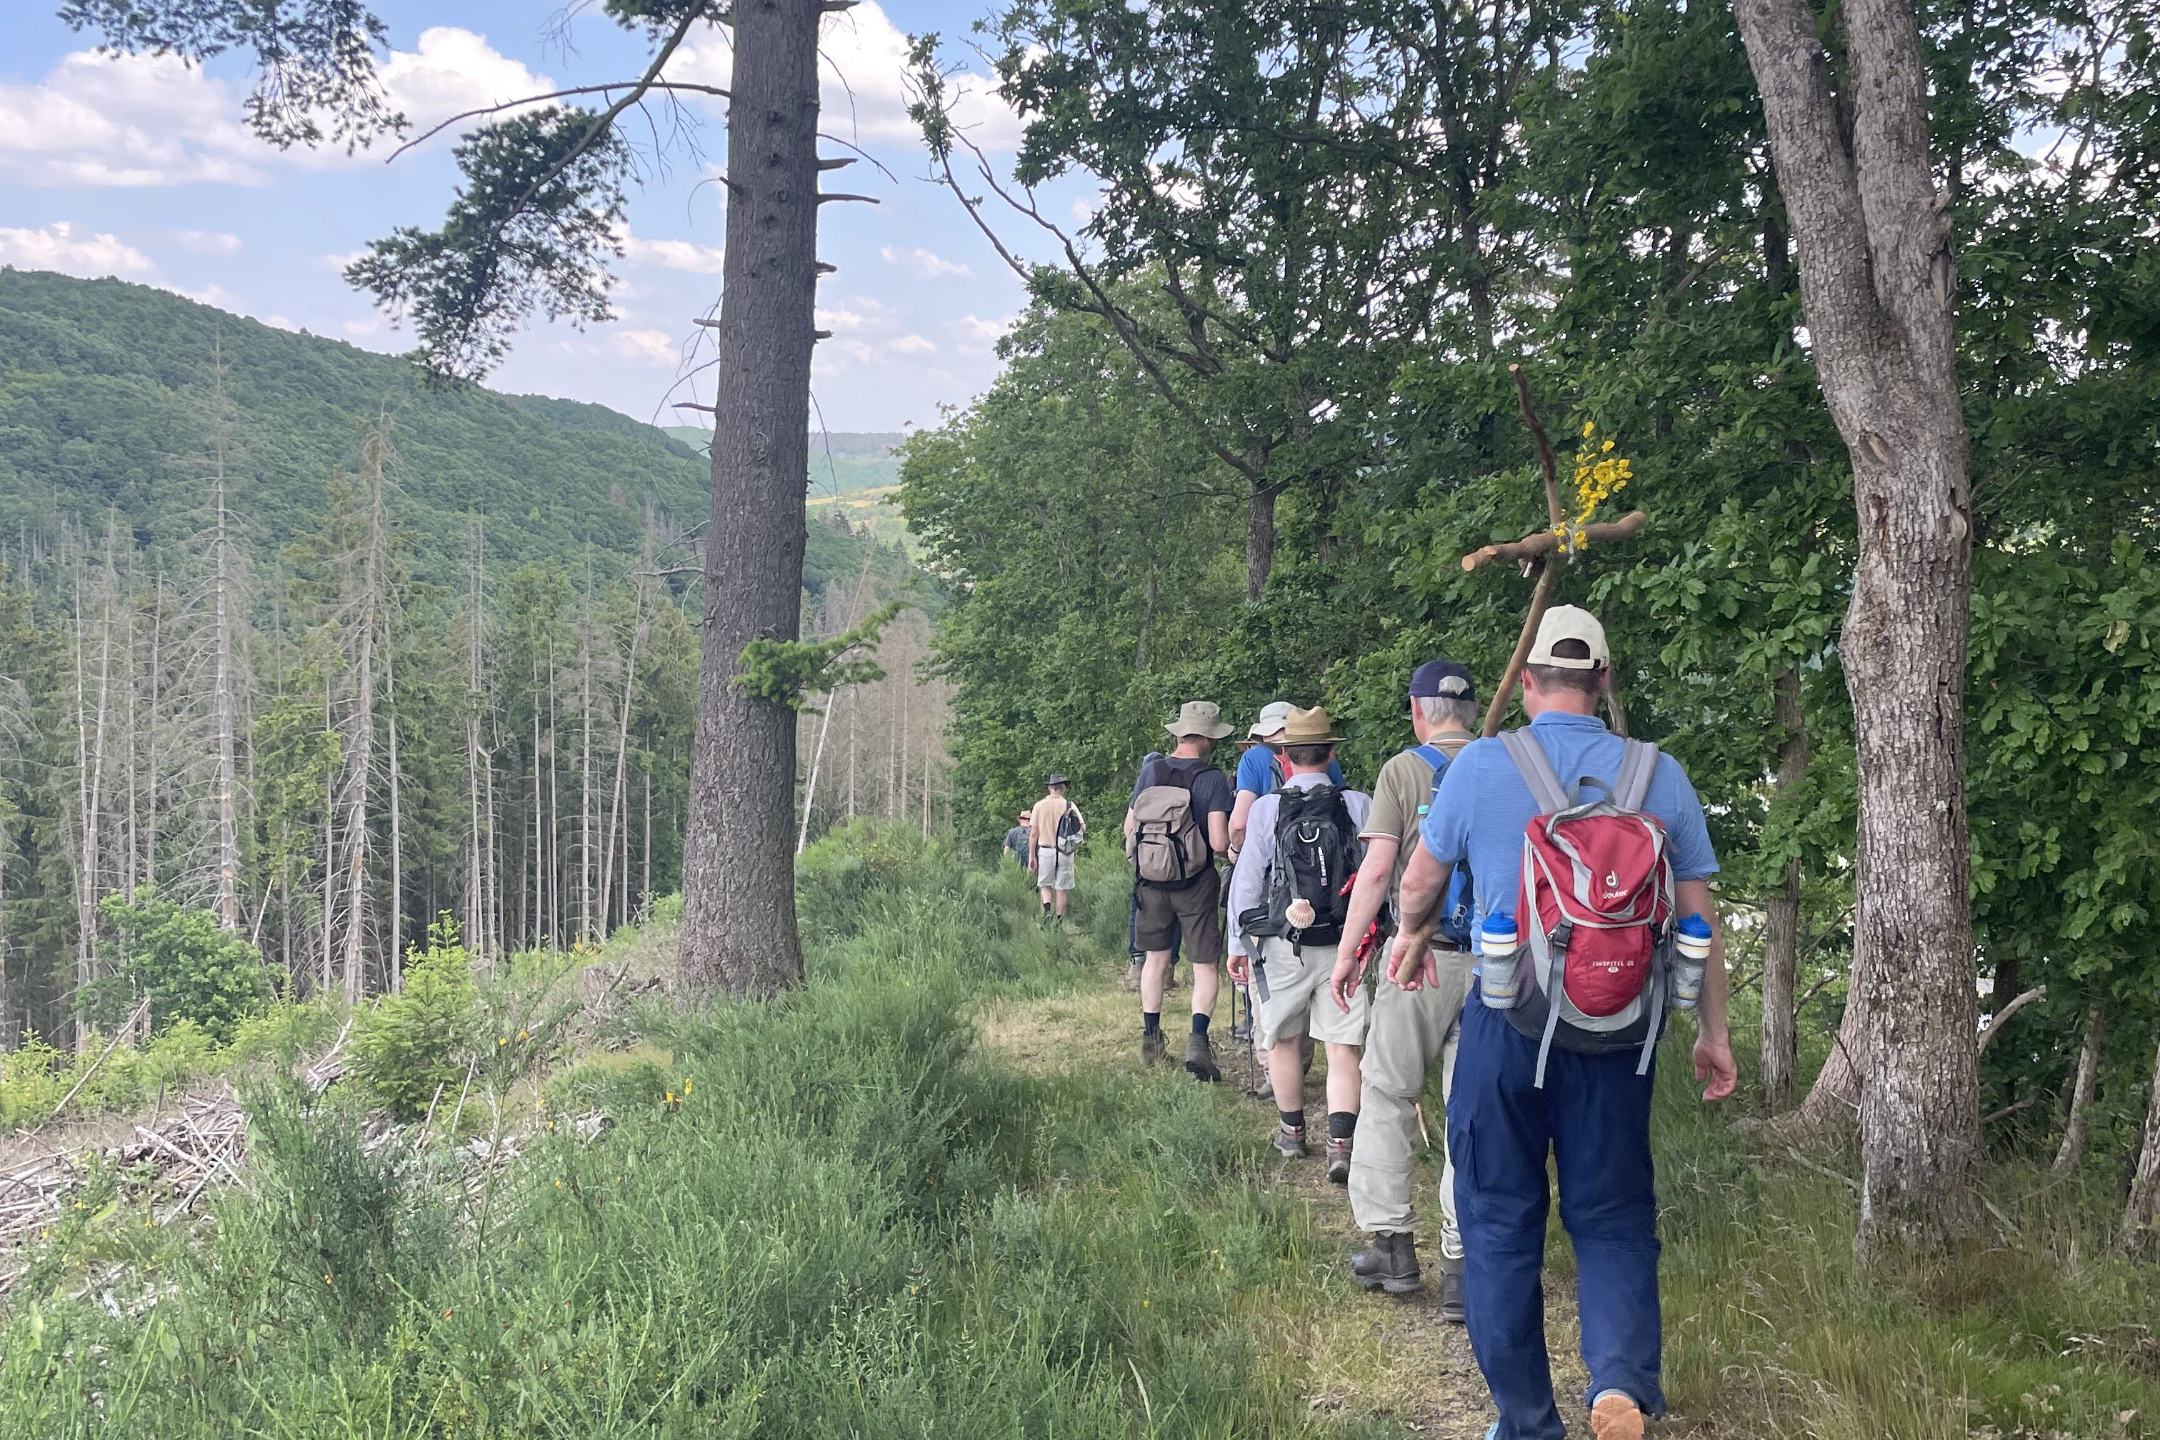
1398 804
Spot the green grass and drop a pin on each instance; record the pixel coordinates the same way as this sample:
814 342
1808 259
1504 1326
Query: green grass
839 1215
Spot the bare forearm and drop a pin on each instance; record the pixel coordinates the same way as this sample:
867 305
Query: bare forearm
1693 896
1424 881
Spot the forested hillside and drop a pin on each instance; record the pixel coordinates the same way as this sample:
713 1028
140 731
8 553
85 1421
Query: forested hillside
322 651
104 385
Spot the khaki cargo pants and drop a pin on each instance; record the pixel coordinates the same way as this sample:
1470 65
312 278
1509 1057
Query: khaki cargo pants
1407 1032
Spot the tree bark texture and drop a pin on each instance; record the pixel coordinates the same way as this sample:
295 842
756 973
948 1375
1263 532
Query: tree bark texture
1875 281
1781 917
1259 540
2072 1149
739 872
2142 1215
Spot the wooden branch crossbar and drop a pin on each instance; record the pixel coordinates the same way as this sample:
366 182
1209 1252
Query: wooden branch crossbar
1544 542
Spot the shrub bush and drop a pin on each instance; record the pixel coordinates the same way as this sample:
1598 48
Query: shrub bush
410 1047
185 964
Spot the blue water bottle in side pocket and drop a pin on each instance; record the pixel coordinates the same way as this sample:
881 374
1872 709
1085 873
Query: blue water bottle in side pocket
1691 941
1499 961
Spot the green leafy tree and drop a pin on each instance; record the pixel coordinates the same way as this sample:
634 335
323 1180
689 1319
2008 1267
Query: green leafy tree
184 963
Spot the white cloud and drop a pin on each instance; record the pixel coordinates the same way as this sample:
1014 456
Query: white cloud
128 120
862 86
672 254
979 331
926 263
339 262
145 120
839 320
59 247
646 347
911 345
205 242
452 70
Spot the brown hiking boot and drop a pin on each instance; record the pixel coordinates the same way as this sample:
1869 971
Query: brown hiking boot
1338 1160
1200 1058
1151 1049
1616 1416
1389 1263
1131 982
1451 1291
1290 1143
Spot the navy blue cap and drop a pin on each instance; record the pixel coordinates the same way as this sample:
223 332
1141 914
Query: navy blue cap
1443 677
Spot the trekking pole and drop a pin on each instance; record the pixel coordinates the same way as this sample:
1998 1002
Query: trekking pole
1535 551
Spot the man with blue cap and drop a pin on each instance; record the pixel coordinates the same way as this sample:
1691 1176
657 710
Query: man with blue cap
1408 1029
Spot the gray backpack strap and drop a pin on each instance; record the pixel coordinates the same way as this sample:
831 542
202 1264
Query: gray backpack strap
1660 982
1638 763
1556 981
1536 769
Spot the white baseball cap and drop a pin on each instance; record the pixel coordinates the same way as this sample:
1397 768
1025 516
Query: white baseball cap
1570 622
1273 716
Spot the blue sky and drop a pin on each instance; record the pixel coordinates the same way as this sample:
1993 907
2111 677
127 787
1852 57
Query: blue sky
143 169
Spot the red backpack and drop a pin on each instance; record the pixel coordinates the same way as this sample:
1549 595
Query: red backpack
1594 909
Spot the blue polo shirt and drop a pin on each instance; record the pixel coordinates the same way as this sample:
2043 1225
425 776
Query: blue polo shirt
1483 806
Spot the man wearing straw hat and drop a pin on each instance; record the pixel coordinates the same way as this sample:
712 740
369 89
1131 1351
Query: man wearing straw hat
1179 821
1287 899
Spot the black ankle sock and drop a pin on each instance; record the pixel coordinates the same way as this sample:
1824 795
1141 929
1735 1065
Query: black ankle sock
1294 1119
1199 1024
1151 1022
1341 1123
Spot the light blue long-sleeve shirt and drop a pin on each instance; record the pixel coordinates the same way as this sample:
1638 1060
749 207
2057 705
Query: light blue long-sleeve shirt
1259 850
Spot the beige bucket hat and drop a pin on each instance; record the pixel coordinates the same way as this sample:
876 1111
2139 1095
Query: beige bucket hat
1199 717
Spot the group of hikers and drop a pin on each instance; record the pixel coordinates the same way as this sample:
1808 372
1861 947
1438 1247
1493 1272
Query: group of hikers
1525 911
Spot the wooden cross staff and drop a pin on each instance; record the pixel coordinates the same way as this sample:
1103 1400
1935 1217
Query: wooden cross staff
1535 552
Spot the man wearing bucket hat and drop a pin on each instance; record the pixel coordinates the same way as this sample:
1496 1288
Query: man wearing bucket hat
1179 821
1287 900
1588 1112
1408 1030
1056 826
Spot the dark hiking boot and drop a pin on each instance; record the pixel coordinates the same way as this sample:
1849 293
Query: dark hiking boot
1338 1160
1200 1058
1289 1142
1451 1291
1389 1263
1151 1049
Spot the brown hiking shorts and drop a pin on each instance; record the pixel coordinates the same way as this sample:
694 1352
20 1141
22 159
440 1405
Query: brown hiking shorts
1195 908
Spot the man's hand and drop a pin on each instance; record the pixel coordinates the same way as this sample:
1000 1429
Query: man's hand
1240 968
1714 1062
1348 976
1410 963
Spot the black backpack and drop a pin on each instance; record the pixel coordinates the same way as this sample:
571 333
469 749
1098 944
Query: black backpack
1317 852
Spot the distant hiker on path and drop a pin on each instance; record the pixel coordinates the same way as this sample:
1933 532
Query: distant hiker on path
1178 823
1288 895
1260 768
1567 1074
1016 839
1057 828
1407 1030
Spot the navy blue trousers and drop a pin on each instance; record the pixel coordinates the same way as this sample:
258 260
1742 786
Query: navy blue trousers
1593 1116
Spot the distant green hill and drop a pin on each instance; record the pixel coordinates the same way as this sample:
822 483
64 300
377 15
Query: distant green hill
100 385
841 462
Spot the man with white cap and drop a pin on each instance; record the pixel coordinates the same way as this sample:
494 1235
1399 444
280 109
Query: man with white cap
1178 822
1261 771
1589 1112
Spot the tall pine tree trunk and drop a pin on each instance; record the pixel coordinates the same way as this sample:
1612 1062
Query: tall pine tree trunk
1876 285
223 618
738 869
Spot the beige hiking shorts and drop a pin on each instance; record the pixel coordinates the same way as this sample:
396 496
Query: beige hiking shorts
1297 1000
